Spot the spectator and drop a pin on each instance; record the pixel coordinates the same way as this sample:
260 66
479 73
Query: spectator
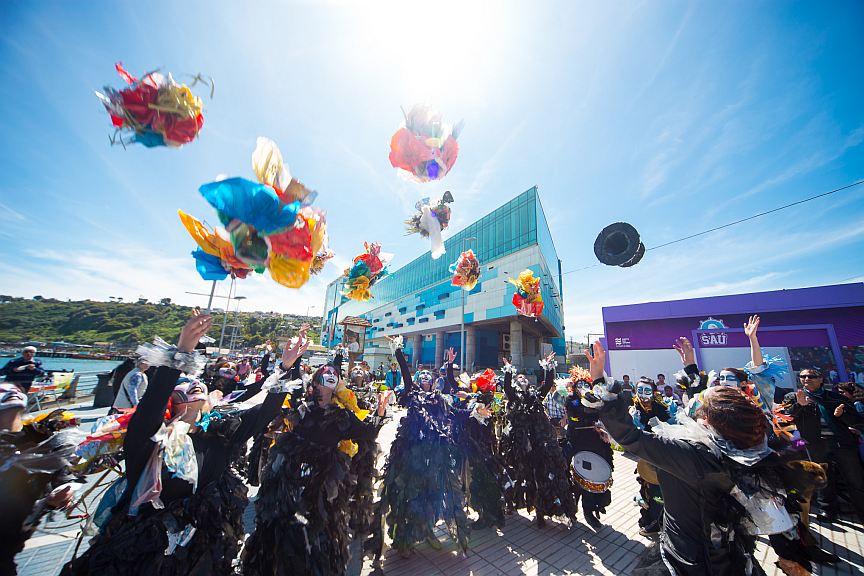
853 393
626 381
823 418
556 409
22 371
119 373
393 377
132 387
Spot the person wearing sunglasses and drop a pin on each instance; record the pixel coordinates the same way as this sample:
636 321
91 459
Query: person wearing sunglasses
824 418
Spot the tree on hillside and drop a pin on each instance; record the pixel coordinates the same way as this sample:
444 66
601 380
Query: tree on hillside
165 301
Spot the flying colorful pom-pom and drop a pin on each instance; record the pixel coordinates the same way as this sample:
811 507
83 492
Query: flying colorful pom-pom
424 148
527 299
366 269
466 271
430 220
156 110
269 224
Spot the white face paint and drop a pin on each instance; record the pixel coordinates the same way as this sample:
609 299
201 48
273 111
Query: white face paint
728 379
523 381
425 379
329 378
644 391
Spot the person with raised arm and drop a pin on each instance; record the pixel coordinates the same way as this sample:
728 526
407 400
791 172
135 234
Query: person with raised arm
539 473
722 485
422 482
475 437
182 509
588 450
303 509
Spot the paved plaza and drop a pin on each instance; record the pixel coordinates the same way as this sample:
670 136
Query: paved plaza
520 548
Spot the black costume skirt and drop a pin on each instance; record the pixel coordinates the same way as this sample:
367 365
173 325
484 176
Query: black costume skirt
136 545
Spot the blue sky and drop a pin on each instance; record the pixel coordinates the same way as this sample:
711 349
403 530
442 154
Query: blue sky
674 116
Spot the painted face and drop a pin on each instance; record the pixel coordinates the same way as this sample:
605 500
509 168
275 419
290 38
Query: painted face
644 391
728 379
522 381
329 377
425 379
12 397
357 375
188 391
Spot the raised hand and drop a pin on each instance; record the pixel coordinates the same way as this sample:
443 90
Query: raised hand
597 361
751 326
296 349
450 355
802 398
194 329
838 412
685 350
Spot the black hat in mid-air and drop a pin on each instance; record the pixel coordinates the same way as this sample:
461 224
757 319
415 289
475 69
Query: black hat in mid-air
618 245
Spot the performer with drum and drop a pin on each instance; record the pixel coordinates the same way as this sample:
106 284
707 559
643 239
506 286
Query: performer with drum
647 405
588 448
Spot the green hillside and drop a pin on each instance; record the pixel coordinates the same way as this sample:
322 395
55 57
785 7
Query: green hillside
125 324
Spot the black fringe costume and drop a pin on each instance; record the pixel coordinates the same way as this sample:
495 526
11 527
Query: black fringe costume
477 444
33 462
307 486
651 507
137 545
582 435
422 481
532 455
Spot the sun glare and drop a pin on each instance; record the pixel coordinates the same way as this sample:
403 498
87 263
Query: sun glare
441 50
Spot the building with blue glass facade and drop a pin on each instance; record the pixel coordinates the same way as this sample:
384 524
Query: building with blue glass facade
419 302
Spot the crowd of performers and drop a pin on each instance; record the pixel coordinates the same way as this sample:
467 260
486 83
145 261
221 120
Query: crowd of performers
718 463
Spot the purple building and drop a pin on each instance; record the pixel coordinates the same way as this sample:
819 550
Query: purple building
821 326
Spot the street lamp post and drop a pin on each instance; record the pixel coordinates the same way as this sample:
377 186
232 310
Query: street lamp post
236 325
462 329
225 317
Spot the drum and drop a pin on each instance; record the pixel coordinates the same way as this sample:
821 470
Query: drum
592 472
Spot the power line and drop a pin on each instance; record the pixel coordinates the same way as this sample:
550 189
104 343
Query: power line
822 195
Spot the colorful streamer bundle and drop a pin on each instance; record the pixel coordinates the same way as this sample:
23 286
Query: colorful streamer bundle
527 298
484 382
430 221
466 271
268 225
156 109
424 148
366 269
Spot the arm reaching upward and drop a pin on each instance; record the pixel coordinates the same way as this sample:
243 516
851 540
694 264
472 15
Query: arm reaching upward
548 365
508 380
451 386
750 329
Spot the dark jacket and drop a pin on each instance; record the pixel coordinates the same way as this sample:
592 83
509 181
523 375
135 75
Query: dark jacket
23 379
808 421
696 486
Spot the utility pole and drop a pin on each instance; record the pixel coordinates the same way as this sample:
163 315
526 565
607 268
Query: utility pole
462 328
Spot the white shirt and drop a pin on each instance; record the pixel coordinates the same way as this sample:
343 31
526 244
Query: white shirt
131 389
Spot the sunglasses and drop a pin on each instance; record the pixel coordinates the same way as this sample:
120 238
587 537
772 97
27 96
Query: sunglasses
808 376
